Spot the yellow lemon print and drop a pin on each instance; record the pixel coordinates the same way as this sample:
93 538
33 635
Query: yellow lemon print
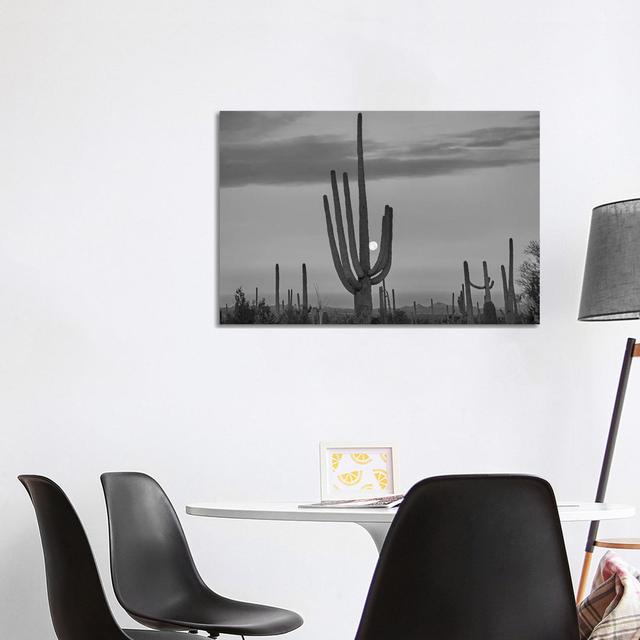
384 457
335 460
361 458
382 477
350 478
367 487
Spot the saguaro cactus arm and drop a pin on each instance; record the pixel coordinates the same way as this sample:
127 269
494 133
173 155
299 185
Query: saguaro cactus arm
353 245
342 243
387 240
482 286
346 283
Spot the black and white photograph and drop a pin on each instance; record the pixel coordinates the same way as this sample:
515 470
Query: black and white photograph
379 218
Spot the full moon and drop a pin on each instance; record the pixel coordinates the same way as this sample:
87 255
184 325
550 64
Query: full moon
373 245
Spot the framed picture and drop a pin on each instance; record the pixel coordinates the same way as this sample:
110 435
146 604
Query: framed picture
426 218
350 470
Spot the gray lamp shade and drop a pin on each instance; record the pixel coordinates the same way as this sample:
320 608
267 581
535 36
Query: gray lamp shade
611 285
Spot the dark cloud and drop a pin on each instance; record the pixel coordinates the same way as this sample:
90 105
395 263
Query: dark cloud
501 136
308 159
247 125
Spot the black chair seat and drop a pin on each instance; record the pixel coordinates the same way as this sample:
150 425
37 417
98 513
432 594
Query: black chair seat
215 614
154 576
145 634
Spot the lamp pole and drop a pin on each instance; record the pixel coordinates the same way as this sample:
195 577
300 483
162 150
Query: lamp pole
630 352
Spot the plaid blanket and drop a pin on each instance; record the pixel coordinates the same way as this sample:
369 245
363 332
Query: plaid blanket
612 610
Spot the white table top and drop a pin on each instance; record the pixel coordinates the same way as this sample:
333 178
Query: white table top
569 512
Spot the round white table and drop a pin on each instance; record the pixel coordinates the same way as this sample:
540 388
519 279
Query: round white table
377 521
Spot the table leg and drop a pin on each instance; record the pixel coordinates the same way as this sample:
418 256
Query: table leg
378 532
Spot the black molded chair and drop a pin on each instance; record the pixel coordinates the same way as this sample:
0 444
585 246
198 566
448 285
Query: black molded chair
473 558
78 606
154 576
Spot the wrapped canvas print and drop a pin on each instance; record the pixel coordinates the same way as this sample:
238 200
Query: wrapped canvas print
379 218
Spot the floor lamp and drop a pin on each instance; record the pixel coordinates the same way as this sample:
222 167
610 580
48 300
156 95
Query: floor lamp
611 291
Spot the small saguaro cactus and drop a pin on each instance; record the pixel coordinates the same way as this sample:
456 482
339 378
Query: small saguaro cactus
415 313
432 312
461 306
382 303
359 280
387 306
277 288
305 294
393 295
256 296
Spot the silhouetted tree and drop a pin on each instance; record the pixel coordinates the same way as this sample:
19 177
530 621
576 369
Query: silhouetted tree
530 280
242 311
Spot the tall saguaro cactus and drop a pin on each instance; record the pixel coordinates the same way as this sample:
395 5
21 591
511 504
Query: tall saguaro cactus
508 289
277 288
467 292
305 295
359 279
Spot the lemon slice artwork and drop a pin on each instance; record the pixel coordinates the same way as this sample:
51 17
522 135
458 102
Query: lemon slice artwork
350 478
361 458
335 460
382 477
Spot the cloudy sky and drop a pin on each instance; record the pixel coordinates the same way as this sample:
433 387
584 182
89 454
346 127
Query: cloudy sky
460 184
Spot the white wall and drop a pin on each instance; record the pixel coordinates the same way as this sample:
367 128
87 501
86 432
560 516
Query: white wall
109 354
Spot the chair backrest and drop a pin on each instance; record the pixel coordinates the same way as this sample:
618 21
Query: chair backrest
473 558
78 606
151 564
